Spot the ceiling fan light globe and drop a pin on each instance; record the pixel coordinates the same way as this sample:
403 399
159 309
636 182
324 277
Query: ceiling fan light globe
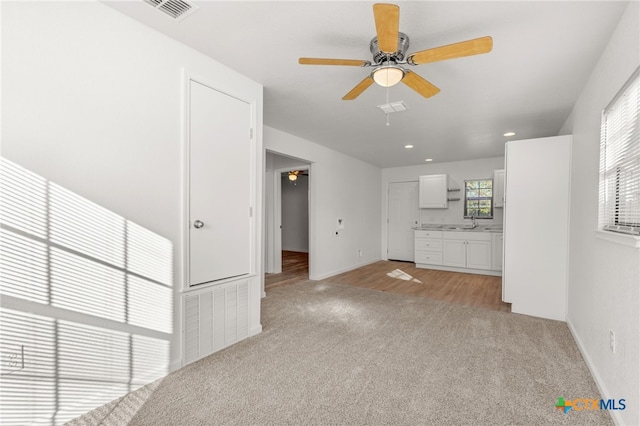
388 76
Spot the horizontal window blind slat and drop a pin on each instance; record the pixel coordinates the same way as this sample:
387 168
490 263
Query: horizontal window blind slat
619 191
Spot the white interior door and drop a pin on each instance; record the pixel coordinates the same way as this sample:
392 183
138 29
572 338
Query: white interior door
403 216
219 185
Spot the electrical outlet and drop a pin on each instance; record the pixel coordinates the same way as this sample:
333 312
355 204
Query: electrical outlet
612 341
359 253
12 359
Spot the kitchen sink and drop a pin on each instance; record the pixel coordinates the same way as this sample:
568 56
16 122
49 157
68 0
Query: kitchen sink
457 227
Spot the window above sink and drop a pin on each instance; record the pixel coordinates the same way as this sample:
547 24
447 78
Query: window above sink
478 199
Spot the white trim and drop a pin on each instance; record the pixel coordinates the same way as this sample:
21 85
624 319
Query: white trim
175 365
185 149
604 393
458 269
255 330
617 238
343 270
277 214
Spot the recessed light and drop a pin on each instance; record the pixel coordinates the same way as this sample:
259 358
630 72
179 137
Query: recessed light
509 134
408 146
429 159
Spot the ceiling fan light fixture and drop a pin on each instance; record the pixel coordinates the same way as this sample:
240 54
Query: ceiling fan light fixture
388 75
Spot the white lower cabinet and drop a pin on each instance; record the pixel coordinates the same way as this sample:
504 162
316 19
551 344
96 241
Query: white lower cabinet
479 254
461 251
467 250
454 253
498 242
428 247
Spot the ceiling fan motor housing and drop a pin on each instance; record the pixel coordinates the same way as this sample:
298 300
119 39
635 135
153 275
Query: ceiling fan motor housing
397 56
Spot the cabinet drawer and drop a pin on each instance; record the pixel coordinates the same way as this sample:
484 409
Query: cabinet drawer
428 258
467 236
428 244
428 234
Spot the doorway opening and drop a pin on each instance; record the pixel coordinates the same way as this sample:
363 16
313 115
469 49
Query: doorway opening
288 245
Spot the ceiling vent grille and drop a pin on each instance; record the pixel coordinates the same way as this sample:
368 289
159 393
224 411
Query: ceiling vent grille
393 107
177 9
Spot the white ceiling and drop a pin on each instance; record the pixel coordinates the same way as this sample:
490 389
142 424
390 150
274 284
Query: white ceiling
543 54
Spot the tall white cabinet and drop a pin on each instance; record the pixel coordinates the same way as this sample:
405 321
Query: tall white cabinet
536 226
222 274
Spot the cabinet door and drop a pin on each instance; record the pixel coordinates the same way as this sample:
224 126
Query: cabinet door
454 253
433 192
478 254
497 252
428 258
219 147
498 188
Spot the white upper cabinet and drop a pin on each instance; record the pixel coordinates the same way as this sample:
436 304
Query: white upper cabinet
433 192
498 188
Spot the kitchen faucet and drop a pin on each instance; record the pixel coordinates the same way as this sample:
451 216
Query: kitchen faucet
473 221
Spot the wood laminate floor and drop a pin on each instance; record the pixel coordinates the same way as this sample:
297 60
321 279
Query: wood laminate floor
295 268
483 291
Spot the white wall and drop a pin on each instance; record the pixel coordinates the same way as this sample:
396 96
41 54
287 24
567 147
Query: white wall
604 277
341 187
92 101
295 214
458 172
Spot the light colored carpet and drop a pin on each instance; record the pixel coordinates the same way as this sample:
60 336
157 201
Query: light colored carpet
334 354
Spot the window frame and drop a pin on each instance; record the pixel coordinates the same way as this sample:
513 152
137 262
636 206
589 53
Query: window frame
466 210
619 168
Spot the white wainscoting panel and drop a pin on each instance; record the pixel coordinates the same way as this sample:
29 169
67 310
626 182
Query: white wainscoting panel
215 318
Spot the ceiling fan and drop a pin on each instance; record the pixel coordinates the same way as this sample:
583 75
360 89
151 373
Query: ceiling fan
389 48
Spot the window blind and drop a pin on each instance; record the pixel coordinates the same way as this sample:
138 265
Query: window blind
620 161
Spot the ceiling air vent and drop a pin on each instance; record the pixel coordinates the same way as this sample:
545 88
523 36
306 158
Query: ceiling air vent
393 107
177 9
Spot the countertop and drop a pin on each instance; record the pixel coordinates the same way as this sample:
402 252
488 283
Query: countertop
459 227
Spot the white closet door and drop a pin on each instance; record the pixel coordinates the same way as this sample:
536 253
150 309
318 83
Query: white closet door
219 185
403 216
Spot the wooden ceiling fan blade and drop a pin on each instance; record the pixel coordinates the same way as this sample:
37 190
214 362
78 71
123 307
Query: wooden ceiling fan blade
419 84
322 61
387 17
451 51
356 91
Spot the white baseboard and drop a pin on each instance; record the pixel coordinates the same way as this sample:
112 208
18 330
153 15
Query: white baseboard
255 330
175 365
463 270
615 416
343 270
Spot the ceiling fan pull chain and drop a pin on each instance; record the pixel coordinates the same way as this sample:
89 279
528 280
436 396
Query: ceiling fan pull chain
386 113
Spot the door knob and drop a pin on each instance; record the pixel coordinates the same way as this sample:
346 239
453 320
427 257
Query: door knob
198 224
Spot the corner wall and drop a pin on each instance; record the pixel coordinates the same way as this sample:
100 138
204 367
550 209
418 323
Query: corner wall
340 187
604 277
92 101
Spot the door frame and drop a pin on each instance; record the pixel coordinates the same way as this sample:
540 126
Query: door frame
187 78
277 215
386 219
